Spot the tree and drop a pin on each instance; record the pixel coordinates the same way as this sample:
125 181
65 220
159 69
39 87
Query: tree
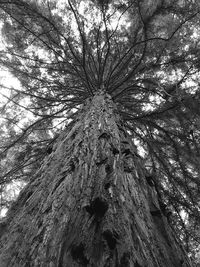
123 77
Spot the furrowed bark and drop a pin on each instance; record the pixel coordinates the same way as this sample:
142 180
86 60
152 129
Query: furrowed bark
90 204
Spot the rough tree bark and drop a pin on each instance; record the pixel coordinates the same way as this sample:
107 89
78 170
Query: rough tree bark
90 204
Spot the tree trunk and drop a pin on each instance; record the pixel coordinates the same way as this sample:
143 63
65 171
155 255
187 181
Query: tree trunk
90 204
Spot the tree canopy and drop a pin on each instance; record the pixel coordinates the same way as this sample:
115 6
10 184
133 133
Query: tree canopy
145 54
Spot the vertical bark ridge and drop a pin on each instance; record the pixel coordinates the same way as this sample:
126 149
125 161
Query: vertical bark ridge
90 204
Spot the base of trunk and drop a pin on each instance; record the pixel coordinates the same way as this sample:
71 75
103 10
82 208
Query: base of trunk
90 204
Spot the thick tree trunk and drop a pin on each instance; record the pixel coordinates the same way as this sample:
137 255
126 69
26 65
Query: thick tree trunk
90 204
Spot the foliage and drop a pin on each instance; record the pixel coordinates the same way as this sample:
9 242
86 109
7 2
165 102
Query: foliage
145 54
